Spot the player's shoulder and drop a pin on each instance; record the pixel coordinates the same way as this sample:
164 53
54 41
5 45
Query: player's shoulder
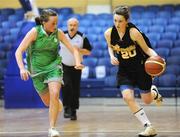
108 31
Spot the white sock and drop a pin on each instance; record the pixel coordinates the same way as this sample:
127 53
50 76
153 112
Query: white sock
141 116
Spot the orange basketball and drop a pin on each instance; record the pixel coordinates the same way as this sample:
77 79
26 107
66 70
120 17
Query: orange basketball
155 65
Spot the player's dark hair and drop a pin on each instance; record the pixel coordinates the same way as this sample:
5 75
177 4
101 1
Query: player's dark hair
122 10
44 16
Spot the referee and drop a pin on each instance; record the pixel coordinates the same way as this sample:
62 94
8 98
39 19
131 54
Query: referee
72 76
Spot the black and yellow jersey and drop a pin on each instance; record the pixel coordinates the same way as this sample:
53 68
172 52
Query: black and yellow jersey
128 52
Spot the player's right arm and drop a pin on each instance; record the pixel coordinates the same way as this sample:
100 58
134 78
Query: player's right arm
107 35
28 39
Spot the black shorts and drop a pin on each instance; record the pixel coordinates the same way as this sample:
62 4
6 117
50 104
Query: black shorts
136 77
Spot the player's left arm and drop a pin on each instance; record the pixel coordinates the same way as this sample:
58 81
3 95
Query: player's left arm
137 37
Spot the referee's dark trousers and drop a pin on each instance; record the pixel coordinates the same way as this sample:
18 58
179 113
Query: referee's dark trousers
71 87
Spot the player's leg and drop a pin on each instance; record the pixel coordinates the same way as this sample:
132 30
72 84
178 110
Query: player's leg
45 97
54 89
144 84
128 96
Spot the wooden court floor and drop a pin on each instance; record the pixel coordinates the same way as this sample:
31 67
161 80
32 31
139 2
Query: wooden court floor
102 118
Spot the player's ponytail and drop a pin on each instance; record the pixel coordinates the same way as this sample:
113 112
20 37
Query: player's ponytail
44 16
38 21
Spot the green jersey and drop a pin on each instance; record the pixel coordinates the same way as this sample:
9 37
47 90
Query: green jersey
42 55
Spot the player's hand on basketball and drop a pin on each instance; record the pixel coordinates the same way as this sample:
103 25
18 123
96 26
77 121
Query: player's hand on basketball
24 73
79 66
114 61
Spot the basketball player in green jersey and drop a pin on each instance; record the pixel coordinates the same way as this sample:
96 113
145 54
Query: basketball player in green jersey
44 62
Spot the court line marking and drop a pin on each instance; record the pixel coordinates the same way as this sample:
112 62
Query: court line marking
91 132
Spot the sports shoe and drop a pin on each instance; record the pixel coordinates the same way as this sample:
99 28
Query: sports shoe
53 133
148 132
158 99
67 112
73 115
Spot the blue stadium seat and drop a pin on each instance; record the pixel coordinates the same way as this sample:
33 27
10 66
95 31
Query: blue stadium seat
10 38
163 52
176 13
65 11
104 61
110 81
177 43
101 38
2 54
135 16
172 28
175 51
105 16
4 31
87 72
153 8
3 18
157 29
167 80
144 22
113 70
153 36
175 21
94 30
8 25
19 12
165 44
91 61
89 16
106 53
178 81
7 11
100 45
143 28
147 15
5 46
160 21
77 16
101 72
15 18
173 69
168 7
173 60
1 38
137 8
164 14
100 23
82 29
92 38
14 31
169 36
3 63
97 53
85 23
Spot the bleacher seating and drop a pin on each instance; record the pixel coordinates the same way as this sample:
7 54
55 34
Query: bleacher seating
163 30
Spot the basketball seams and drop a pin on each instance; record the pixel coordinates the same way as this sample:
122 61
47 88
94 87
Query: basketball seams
153 61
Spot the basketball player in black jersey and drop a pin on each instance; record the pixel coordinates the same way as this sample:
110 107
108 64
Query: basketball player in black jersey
127 48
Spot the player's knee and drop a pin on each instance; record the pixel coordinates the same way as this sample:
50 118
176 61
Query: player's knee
128 99
54 96
147 101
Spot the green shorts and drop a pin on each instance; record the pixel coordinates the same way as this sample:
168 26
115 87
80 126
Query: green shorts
41 81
